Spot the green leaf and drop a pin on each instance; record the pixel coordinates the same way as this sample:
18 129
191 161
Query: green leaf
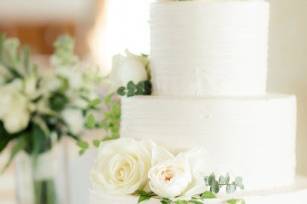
94 103
208 195
211 179
239 180
131 86
239 183
181 202
236 201
96 143
147 88
64 86
144 196
82 144
5 137
121 91
195 202
215 187
166 201
58 102
39 141
231 188
90 121
82 151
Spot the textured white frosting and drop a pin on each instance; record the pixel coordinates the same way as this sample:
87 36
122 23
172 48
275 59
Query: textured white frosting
294 194
215 48
253 137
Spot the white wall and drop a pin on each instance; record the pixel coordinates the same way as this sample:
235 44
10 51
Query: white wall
288 62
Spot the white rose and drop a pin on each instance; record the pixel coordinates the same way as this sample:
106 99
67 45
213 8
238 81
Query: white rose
177 176
128 68
14 108
121 167
74 119
18 117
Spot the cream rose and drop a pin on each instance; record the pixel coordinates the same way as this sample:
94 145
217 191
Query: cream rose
128 68
14 108
121 167
177 176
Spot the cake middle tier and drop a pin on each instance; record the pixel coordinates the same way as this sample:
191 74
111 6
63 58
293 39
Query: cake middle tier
253 137
209 48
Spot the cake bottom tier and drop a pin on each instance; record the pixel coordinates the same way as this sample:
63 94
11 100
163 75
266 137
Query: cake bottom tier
252 137
294 194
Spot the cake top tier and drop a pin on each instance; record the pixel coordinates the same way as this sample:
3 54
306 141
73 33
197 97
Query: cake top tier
206 1
209 47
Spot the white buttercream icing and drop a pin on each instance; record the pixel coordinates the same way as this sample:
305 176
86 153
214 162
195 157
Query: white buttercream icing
200 48
253 137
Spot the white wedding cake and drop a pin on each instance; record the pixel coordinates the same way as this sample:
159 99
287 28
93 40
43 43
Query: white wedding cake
209 70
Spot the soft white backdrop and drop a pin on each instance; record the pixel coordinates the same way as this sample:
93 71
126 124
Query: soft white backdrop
129 29
288 62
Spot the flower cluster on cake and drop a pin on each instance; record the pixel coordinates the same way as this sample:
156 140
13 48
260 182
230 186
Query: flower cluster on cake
144 169
196 113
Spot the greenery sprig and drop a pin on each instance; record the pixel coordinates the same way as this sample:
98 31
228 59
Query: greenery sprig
110 122
224 181
215 185
112 112
133 89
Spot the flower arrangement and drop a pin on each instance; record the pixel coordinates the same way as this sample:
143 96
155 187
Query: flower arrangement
130 77
39 106
144 169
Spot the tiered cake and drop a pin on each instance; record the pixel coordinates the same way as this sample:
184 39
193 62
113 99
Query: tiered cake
209 67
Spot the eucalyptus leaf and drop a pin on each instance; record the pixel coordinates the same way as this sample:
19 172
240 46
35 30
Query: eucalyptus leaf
121 91
211 179
239 181
215 187
231 188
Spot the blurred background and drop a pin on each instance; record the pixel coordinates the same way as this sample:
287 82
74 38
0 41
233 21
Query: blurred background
103 28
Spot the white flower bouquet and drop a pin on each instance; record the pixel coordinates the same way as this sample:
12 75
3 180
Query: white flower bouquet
39 106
